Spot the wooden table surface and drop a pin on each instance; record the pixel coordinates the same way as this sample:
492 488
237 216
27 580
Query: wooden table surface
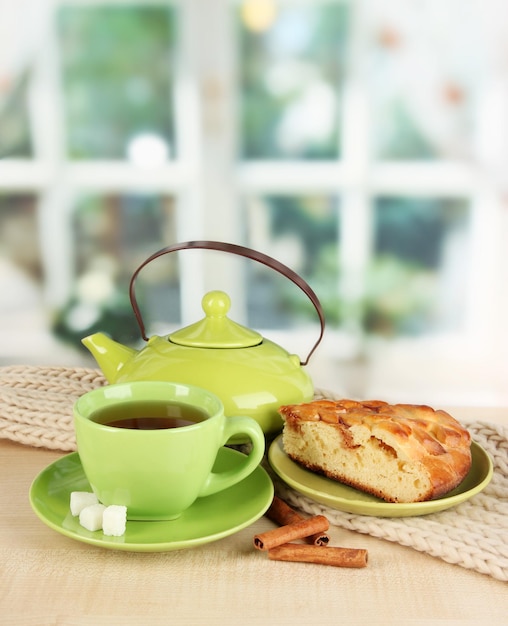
50 579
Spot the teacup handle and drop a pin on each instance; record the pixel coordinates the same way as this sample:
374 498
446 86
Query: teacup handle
241 251
237 425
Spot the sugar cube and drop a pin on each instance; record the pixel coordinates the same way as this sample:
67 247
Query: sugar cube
80 500
114 520
91 516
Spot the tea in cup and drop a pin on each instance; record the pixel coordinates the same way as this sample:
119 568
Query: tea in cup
151 446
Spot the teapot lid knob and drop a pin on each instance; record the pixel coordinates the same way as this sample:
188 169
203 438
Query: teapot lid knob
216 303
216 330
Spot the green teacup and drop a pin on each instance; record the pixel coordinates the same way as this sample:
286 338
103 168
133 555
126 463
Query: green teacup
151 446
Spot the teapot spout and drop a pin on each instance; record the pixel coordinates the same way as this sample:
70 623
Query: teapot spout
110 355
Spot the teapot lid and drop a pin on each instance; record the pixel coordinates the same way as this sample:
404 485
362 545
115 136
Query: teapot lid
216 330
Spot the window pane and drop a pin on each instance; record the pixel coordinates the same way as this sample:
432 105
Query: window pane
22 309
418 276
424 70
21 269
113 236
15 139
291 68
301 232
117 71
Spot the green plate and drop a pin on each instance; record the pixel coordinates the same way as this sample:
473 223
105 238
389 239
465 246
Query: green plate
344 498
207 520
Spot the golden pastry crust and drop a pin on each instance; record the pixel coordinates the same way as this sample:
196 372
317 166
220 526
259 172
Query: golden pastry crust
400 453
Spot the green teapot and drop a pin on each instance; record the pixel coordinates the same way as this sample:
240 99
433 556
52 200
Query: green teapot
251 375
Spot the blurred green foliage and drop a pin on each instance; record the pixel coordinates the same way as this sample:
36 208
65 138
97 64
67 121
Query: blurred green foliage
118 69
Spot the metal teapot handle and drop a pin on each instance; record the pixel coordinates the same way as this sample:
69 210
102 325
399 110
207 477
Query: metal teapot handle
241 251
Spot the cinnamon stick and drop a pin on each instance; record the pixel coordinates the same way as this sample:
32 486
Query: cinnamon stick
289 532
322 555
281 513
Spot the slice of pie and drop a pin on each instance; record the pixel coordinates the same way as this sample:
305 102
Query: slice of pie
399 452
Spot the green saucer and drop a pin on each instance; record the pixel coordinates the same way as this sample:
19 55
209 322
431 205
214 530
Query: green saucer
345 498
207 520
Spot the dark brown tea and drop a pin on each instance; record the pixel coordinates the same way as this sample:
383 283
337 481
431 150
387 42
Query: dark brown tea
153 415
